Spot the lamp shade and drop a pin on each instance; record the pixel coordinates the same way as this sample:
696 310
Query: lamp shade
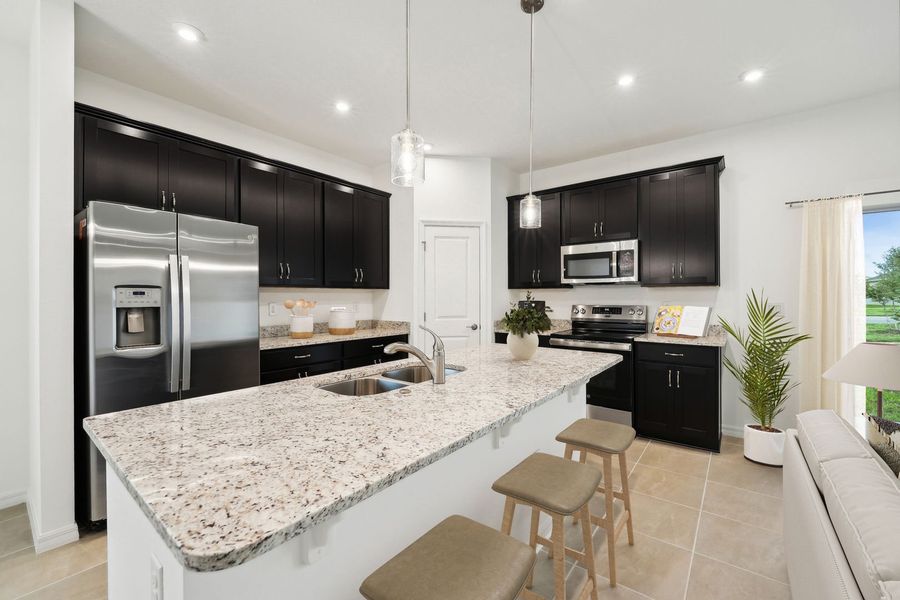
870 364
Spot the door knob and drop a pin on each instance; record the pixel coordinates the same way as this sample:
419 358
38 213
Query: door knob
473 326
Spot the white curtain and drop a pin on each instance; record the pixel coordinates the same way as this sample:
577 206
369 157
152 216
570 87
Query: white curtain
832 301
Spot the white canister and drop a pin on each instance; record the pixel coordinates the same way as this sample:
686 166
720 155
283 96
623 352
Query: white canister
301 326
341 321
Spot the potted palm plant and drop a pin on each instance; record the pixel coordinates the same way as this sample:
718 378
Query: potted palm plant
763 376
523 324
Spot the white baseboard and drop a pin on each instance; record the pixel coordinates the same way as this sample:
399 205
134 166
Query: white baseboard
52 539
8 499
733 430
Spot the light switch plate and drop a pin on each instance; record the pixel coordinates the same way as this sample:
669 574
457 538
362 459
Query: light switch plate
272 308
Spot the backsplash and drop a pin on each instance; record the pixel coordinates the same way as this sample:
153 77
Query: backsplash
270 331
360 300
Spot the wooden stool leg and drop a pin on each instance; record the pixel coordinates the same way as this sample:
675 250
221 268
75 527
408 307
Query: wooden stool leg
589 550
558 537
508 512
582 458
532 541
609 518
569 451
626 497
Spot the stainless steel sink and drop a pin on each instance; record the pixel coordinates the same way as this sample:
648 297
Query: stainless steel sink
364 386
416 373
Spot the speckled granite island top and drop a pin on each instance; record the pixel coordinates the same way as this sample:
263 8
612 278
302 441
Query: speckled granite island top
227 477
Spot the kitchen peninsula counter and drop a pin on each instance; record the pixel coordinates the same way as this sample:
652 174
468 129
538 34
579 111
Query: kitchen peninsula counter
226 478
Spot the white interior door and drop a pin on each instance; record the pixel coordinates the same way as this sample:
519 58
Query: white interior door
453 284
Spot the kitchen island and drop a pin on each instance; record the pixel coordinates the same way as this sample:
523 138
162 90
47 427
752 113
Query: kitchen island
290 491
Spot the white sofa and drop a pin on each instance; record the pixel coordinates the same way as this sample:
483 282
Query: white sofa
841 513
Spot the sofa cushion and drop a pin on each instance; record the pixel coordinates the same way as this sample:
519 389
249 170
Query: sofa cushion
863 503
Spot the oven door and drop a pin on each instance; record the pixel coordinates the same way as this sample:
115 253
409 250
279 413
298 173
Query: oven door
614 387
614 262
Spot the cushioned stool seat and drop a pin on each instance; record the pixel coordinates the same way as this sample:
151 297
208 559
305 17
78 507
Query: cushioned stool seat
601 436
551 482
458 558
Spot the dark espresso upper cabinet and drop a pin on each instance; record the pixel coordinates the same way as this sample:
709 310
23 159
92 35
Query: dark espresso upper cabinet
122 164
680 227
301 229
260 207
355 237
202 181
534 258
600 213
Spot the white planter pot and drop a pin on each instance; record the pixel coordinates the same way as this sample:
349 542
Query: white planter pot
766 447
522 347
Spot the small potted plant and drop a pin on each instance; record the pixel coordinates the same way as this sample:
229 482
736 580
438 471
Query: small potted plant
763 375
523 324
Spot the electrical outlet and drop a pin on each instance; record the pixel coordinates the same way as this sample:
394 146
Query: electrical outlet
272 308
156 579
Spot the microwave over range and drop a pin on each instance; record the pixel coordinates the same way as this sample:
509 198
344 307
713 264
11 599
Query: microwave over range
608 262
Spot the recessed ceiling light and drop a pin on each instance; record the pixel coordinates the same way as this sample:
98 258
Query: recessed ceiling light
341 106
626 80
428 147
752 75
188 33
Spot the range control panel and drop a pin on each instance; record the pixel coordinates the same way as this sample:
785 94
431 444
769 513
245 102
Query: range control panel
134 297
594 312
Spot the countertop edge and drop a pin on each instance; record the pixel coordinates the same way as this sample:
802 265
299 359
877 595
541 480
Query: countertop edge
233 558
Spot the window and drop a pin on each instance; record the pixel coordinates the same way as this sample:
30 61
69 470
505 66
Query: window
881 231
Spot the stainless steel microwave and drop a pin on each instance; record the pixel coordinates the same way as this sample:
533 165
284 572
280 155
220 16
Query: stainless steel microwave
608 262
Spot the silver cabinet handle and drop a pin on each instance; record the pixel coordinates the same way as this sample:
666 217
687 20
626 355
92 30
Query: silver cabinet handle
288 270
595 230
681 268
533 280
302 356
673 270
601 228
186 323
678 379
356 275
175 336
281 270
362 275
473 326
164 199
675 354
670 377
173 201
378 345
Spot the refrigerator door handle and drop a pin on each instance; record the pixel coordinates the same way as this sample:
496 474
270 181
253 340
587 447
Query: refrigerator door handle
186 323
175 337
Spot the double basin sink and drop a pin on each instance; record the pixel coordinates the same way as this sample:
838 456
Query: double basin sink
387 381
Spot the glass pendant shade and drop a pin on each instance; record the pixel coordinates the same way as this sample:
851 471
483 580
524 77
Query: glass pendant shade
407 158
530 212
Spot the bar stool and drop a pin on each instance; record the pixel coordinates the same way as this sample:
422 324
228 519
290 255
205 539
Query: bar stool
604 439
458 558
560 488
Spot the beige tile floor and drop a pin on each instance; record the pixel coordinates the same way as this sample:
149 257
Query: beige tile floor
707 526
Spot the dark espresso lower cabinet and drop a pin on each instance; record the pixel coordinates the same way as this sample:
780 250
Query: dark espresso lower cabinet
678 394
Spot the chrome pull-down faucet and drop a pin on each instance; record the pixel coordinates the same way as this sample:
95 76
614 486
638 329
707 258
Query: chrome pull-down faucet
436 364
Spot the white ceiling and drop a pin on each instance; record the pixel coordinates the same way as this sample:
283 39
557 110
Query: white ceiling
280 65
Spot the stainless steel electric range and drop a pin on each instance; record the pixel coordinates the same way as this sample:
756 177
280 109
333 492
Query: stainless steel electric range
611 329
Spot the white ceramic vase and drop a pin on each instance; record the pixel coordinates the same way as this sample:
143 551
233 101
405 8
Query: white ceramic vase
522 347
765 447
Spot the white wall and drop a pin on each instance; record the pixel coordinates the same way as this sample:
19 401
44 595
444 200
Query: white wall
503 183
109 94
396 303
14 306
51 172
850 147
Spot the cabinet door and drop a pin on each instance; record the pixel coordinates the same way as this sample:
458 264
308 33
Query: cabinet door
124 164
549 241
301 229
523 250
580 217
653 398
696 406
659 239
337 213
698 226
619 211
259 206
370 239
202 181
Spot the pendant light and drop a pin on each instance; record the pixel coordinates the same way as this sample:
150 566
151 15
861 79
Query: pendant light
530 205
407 147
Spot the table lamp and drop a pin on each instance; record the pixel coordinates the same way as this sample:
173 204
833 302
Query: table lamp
872 364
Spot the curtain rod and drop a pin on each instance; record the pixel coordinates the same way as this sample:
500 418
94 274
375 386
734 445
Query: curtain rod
798 202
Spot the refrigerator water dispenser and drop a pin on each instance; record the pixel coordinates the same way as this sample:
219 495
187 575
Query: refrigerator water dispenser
137 316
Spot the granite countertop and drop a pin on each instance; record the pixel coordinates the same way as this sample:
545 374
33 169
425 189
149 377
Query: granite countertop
715 336
227 477
286 341
556 325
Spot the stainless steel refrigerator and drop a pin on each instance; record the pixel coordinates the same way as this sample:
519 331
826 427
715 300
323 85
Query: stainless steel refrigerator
166 309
